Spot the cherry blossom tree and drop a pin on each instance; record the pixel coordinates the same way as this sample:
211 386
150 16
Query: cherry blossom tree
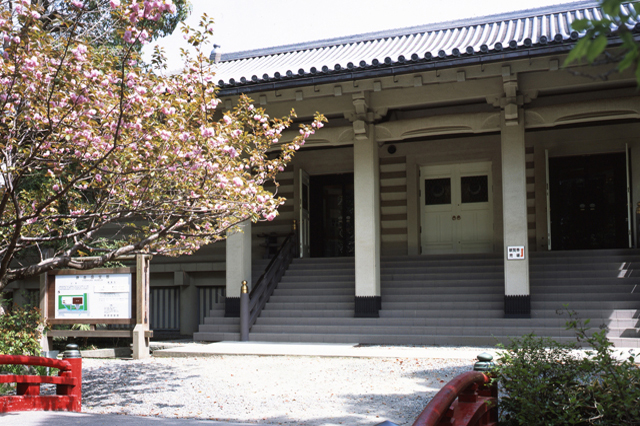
97 24
103 156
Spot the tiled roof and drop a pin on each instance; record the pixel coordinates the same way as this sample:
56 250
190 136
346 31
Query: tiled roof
542 30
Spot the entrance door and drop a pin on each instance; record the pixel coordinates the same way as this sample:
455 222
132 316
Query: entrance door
588 202
332 220
305 196
457 208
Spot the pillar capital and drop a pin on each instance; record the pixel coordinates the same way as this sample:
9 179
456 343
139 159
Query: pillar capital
511 99
363 114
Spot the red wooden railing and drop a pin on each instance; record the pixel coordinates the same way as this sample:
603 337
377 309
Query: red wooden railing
467 400
470 399
68 383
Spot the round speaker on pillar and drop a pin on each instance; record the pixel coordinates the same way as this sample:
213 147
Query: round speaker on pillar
391 149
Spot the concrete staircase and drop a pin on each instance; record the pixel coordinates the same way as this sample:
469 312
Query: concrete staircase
446 300
600 285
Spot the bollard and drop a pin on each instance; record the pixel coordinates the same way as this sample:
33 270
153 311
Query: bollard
72 356
244 313
485 363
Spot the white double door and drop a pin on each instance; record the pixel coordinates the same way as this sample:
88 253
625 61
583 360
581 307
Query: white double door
456 208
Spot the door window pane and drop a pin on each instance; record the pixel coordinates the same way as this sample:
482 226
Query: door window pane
474 189
437 191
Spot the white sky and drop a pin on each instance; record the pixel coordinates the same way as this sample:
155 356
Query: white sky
253 24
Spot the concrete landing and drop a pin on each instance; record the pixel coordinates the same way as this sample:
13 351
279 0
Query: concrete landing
320 349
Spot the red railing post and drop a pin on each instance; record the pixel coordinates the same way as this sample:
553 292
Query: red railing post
469 399
27 398
73 357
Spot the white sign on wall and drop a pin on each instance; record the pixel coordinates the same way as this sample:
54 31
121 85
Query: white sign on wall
515 253
95 296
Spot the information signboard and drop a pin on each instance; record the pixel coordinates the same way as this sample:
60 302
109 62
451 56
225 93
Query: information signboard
95 296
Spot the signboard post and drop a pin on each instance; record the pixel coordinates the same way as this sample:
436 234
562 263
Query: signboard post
100 296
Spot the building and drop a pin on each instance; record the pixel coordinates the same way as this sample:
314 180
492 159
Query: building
468 185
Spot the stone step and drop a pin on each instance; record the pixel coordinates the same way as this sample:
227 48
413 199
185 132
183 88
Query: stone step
323 261
593 314
583 282
444 307
315 291
222 320
309 313
397 339
309 306
467 330
622 342
434 313
321 272
557 321
291 298
536 275
307 285
587 297
576 288
319 278
215 313
216 337
428 262
449 299
476 283
603 253
584 305
427 289
219 328
463 258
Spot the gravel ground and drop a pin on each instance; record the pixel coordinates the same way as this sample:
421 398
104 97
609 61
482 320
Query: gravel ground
268 389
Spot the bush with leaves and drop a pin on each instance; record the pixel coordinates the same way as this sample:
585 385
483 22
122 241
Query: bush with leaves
549 383
20 331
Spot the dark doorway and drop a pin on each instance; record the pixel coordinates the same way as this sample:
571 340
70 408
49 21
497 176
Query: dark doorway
588 197
331 216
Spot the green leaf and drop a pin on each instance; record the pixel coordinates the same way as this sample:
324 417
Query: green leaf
611 7
581 24
628 60
579 51
596 47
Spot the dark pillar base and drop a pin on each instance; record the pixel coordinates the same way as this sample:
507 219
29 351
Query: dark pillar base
368 306
232 307
517 306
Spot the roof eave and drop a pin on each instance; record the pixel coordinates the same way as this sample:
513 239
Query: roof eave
385 70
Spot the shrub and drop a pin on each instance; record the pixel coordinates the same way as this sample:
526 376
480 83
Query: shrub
20 331
549 383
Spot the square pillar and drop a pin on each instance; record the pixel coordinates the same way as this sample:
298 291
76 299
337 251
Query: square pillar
517 299
238 269
366 182
188 299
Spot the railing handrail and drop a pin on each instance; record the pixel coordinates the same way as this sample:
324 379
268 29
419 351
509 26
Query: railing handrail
438 406
61 365
68 396
251 304
270 266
